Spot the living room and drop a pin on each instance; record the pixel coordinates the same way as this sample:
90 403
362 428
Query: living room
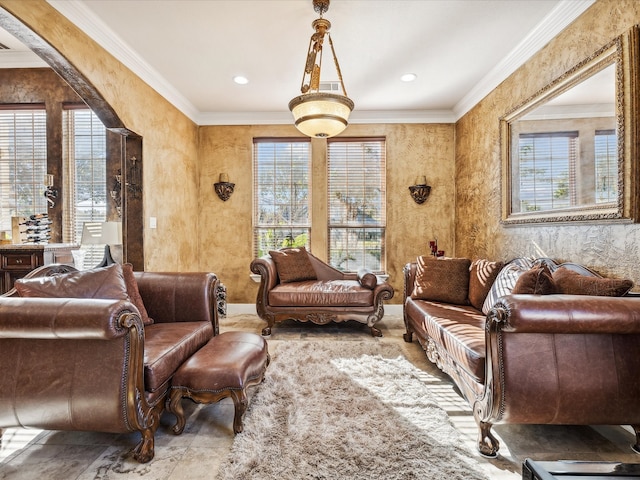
461 159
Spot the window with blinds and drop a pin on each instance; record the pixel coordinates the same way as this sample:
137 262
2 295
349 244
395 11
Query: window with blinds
547 165
85 161
606 161
23 162
281 173
356 203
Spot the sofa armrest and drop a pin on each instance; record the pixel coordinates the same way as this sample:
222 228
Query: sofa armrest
179 297
71 364
266 268
567 314
66 318
409 272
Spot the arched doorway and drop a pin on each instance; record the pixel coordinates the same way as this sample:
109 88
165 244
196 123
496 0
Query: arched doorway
130 144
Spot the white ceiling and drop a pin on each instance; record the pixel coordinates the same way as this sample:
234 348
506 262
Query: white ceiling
189 51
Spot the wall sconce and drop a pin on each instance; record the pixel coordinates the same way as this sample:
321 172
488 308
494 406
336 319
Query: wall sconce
420 191
133 183
224 188
116 193
51 193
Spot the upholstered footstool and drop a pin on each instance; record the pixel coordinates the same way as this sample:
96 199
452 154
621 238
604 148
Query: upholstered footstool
224 367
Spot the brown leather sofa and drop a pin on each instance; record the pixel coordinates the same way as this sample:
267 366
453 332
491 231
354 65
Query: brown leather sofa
329 295
90 364
535 359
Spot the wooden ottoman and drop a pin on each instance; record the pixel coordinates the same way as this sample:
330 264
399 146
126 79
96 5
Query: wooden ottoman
224 367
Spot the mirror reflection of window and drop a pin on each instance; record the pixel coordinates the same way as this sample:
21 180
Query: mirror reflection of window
85 160
606 153
564 151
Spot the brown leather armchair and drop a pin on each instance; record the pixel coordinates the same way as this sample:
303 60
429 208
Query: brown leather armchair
89 364
334 296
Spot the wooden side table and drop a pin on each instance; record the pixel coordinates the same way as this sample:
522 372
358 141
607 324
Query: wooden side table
575 470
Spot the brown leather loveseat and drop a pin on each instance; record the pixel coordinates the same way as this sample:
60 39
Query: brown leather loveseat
564 352
297 285
90 363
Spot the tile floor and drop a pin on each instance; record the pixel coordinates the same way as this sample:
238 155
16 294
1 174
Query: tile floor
197 453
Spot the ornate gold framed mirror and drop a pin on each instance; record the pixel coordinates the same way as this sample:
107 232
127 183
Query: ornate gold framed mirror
569 153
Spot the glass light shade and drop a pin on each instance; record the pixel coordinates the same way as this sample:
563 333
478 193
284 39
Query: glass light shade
321 114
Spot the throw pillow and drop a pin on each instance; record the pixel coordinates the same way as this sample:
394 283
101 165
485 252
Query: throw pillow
104 283
482 275
537 281
293 265
442 280
573 283
503 285
134 293
367 279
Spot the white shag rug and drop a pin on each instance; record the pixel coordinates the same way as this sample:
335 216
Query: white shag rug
346 410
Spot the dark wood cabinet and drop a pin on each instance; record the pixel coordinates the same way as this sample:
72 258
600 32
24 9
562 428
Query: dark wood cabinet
18 260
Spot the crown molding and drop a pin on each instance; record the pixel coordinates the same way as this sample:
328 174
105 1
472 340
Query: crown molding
561 16
357 117
550 26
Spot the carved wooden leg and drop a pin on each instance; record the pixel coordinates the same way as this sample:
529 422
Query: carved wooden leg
488 445
240 401
175 406
636 447
144 451
375 332
408 337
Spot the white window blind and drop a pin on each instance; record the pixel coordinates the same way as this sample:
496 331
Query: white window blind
606 155
547 170
281 173
23 162
84 158
356 203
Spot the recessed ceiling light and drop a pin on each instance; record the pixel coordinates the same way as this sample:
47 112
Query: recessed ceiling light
240 80
408 77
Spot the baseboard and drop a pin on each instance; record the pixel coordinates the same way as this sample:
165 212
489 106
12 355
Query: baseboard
250 309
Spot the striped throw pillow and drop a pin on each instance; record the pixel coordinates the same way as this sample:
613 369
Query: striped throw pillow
504 283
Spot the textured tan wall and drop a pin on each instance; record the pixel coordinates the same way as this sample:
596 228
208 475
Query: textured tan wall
609 249
169 138
412 150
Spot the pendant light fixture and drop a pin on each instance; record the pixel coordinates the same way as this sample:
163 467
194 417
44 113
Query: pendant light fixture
316 113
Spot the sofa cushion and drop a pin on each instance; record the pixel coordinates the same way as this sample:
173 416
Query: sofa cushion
321 293
103 283
537 281
481 277
293 265
572 283
134 294
505 281
458 329
442 280
167 346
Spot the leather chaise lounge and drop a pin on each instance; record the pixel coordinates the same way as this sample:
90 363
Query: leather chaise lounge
556 358
91 364
299 286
